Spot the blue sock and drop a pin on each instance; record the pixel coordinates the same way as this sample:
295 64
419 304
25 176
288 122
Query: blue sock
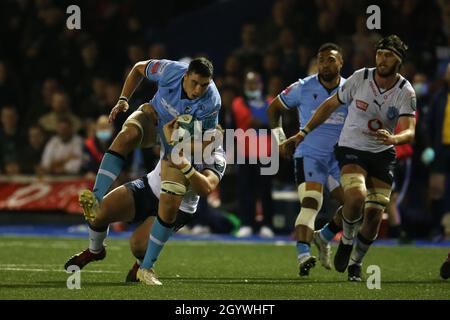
108 172
326 233
158 237
303 249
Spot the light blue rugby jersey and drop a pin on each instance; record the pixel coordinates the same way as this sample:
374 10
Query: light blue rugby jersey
169 102
306 95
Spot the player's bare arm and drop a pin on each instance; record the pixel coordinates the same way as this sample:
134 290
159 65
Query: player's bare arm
203 182
132 81
320 116
274 112
406 135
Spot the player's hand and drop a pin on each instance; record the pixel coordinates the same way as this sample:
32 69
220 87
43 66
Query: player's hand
169 128
384 137
287 148
121 106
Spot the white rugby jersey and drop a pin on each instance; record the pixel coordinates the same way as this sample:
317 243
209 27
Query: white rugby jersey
191 198
371 109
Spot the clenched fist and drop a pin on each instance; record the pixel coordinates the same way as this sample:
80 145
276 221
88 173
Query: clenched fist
121 106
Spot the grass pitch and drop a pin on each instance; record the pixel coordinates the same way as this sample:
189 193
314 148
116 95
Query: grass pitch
32 268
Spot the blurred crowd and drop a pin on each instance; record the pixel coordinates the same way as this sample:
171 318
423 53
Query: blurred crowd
57 85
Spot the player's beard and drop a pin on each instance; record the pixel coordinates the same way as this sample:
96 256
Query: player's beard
328 76
387 72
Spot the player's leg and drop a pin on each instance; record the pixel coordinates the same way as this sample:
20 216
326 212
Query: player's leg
140 236
138 129
138 246
118 205
353 183
310 193
323 236
377 199
173 188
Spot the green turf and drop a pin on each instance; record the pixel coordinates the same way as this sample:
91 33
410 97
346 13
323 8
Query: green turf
201 270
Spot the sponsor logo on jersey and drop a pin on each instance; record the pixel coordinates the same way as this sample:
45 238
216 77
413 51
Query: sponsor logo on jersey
171 110
288 89
155 67
375 124
362 105
351 157
413 103
392 113
376 102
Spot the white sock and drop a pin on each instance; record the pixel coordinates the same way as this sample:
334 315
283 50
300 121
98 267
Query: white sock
96 240
349 230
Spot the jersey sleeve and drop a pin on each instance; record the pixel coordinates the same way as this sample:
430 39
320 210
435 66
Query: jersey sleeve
408 103
290 97
211 118
346 93
162 70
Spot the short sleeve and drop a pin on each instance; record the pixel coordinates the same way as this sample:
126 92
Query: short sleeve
290 97
211 119
347 91
157 70
408 102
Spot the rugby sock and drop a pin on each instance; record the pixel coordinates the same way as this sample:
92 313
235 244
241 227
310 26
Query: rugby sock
109 170
303 249
159 235
349 228
96 238
328 232
361 247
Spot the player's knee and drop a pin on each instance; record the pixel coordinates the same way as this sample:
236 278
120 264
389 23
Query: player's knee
132 132
377 199
355 198
350 181
306 217
310 198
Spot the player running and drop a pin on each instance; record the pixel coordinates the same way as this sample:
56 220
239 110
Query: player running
378 98
182 89
315 164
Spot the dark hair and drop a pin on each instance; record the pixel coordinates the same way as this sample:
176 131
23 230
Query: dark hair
329 46
201 66
393 43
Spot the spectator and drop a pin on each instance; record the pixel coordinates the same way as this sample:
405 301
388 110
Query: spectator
250 113
95 146
32 152
63 153
60 105
10 140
